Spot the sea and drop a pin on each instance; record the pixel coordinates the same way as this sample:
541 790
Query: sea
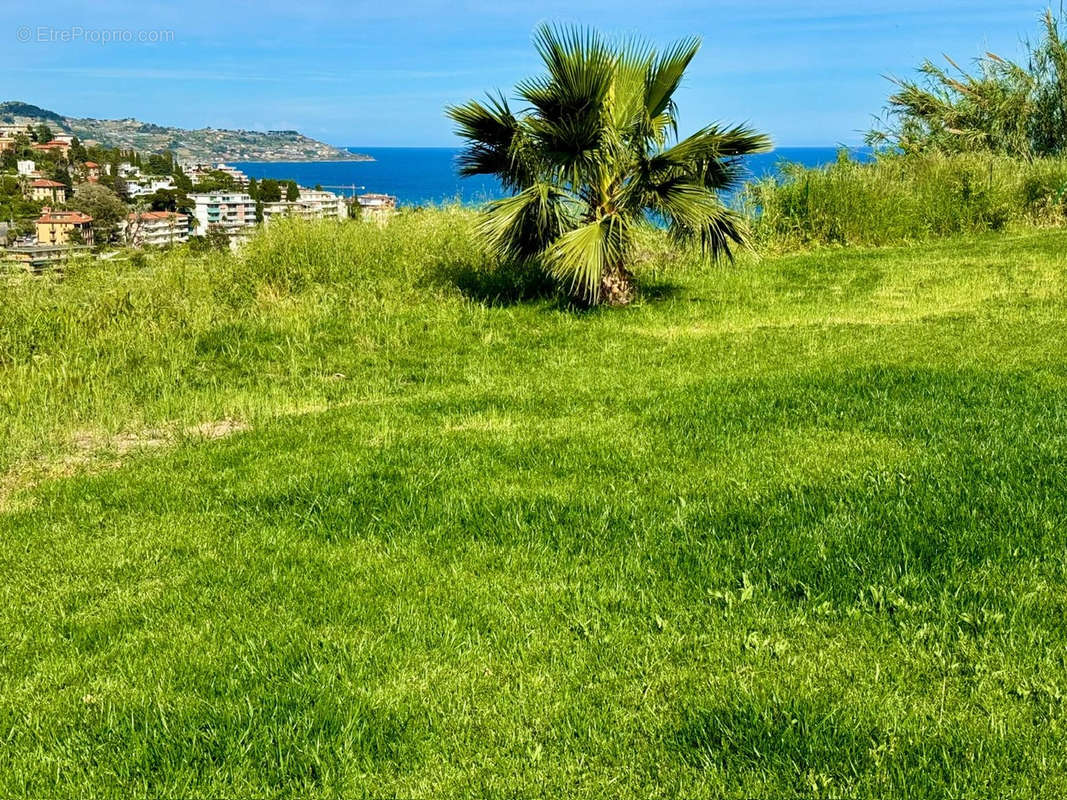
427 175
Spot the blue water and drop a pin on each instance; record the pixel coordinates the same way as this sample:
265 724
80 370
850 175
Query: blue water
423 175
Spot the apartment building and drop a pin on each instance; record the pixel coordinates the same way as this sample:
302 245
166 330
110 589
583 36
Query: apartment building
155 228
238 177
230 212
376 207
310 204
64 227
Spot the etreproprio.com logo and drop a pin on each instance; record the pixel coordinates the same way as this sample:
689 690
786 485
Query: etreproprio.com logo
49 34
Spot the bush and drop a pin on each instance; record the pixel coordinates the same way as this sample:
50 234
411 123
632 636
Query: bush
900 198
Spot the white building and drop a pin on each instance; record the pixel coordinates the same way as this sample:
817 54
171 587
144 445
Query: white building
238 177
147 186
310 204
376 207
230 212
26 166
155 228
331 205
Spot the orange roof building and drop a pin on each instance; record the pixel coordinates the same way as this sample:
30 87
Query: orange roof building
92 171
43 189
55 145
64 227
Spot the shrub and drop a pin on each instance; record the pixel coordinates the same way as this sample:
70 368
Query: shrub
899 198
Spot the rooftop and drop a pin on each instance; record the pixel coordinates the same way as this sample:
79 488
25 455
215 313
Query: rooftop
150 215
63 217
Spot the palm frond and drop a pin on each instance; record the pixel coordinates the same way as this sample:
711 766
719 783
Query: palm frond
580 68
580 257
492 131
525 224
712 142
694 212
634 58
666 73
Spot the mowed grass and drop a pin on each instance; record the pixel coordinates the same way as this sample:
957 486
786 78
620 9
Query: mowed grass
794 528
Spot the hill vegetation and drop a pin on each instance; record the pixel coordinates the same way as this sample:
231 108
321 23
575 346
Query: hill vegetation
206 145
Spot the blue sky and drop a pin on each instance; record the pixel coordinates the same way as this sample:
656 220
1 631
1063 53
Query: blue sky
378 73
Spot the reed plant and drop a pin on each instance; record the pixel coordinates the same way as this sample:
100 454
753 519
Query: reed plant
899 199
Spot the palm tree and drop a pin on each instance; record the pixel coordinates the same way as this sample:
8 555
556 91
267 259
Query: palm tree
595 153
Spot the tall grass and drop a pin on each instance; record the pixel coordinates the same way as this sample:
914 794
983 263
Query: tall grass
904 198
181 337
793 529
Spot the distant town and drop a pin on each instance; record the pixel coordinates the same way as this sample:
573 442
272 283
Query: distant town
189 145
59 197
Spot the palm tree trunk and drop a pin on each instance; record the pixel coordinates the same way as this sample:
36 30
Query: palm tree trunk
617 286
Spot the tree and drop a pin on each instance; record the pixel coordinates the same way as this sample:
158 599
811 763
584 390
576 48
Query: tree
42 133
999 106
594 155
292 191
169 200
216 238
120 187
61 174
182 182
22 145
161 164
216 181
103 205
270 191
78 153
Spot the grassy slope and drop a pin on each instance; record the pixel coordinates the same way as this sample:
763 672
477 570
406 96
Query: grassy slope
792 529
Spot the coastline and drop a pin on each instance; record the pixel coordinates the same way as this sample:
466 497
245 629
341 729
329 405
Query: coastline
362 159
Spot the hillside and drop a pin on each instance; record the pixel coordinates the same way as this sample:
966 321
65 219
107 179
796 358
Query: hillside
201 144
340 516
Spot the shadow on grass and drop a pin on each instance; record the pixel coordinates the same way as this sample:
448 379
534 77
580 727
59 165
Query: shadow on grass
514 283
653 291
508 284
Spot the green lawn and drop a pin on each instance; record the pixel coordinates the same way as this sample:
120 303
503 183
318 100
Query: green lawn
792 528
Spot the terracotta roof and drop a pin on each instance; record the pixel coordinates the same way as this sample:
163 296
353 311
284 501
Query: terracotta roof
91 164
65 217
41 183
